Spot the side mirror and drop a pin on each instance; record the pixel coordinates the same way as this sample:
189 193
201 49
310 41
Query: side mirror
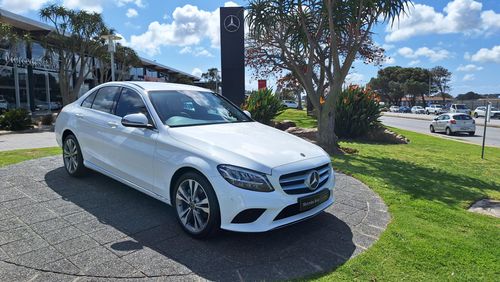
248 113
136 120
435 118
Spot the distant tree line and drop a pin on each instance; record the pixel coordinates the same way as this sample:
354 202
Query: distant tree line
471 95
396 82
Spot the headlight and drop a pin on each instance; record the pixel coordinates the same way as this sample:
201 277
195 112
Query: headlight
245 178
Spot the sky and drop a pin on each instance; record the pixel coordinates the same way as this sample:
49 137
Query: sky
461 35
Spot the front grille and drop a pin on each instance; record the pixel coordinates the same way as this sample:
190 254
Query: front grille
294 183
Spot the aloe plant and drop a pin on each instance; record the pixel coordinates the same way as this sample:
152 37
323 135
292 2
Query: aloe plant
263 105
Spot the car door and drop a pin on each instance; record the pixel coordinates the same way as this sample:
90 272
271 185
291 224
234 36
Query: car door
133 148
95 127
439 123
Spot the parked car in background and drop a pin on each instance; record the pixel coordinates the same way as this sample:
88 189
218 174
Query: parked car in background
4 105
404 109
195 150
481 112
459 108
290 104
452 123
44 105
394 109
417 110
434 109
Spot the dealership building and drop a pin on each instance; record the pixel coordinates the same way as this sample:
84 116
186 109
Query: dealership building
28 80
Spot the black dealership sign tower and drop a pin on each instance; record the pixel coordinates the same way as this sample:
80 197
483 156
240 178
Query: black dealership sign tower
232 54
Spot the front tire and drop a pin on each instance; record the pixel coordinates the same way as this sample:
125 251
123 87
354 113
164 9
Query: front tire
72 157
432 129
472 133
476 115
196 205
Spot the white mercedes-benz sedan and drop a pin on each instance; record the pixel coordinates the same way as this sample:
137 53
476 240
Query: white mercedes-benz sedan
195 150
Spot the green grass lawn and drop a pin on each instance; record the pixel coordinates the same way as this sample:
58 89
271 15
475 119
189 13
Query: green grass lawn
427 185
17 156
299 117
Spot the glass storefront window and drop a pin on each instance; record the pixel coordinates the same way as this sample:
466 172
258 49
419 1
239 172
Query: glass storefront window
7 89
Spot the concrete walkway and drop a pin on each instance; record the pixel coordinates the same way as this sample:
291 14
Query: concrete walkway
14 141
57 228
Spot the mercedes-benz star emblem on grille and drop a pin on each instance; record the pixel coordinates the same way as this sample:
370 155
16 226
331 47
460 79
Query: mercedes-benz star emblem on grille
312 180
231 23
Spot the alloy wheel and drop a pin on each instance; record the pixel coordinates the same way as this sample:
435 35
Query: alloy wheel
193 207
70 155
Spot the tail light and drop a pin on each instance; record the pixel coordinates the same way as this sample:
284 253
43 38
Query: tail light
453 121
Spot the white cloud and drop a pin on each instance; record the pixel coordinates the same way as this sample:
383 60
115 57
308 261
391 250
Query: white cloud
355 78
88 5
197 52
138 3
469 77
469 68
433 54
388 47
459 16
131 13
189 26
197 72
22 6
487 55
414 62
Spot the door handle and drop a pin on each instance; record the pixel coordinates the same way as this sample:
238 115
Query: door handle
112 124
79 115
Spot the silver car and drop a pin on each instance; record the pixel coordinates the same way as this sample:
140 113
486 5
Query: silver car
452 123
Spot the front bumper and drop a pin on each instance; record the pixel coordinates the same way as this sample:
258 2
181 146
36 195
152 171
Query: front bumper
233 200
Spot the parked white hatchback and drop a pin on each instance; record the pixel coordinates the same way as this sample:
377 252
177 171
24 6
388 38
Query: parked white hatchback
453 123
196 151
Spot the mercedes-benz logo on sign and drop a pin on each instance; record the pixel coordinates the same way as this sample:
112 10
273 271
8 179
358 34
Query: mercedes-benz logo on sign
232 23
312 180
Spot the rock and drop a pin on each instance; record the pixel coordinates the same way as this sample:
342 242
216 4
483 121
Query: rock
384 135
310 134
284 125
486 206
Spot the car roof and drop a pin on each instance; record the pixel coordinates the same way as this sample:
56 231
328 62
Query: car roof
157 86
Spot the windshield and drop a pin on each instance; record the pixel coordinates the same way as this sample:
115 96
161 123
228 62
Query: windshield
186 108
461 107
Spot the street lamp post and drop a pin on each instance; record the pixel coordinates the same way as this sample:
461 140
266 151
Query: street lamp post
111 49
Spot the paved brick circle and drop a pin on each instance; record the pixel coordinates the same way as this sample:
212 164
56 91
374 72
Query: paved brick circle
53 227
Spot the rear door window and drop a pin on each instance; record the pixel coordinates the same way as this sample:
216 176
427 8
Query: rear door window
105 99
87 103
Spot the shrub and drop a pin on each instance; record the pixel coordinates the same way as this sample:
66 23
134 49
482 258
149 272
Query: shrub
357 112
263 105
15 119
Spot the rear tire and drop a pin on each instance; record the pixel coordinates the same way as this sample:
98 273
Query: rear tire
72 157
448 131
196 206
432 129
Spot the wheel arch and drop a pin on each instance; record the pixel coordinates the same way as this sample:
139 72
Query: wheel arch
67 132
178 173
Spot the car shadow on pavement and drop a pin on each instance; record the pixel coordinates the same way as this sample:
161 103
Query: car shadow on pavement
143 233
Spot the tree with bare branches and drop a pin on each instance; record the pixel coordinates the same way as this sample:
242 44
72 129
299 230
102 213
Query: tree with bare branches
317 40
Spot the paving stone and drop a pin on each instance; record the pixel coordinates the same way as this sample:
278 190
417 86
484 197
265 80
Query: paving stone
24 246
90 226
106 235
62 234
61 266
10 194
50 225
10 223
91 258
39 257
76 245
17 203
16 234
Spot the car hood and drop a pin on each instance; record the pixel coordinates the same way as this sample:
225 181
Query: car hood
247 144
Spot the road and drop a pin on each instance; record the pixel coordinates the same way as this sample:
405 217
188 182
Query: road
422 126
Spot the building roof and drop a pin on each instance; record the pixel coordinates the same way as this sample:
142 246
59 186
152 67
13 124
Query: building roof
30 25
22 22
